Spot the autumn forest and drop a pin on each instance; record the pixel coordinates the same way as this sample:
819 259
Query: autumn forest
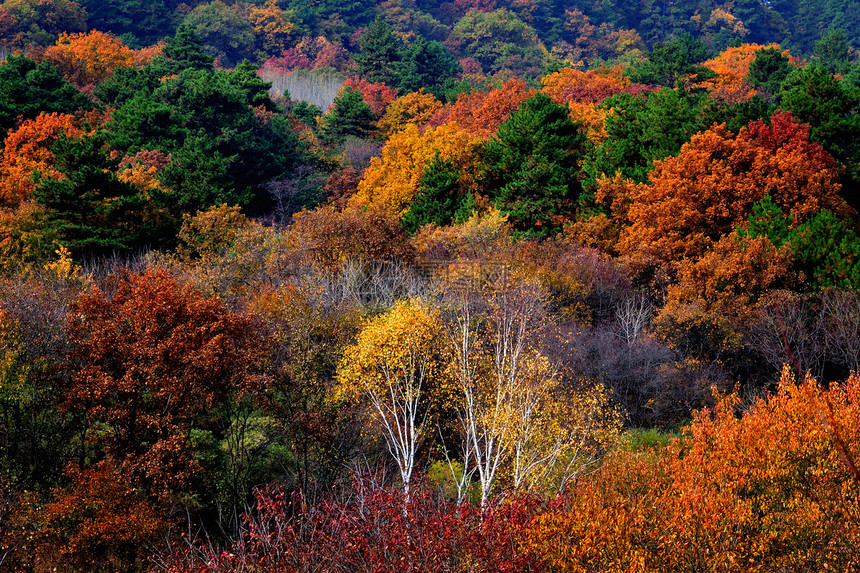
484 286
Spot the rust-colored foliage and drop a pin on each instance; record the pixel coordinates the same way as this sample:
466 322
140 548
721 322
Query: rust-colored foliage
593 86
330 237
377 96
710 188
99 522
480 113
154 356
582 91
28 150
733 276
341 185
91 58
141 169
715 298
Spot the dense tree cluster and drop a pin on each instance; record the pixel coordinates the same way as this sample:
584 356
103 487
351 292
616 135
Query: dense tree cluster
477 285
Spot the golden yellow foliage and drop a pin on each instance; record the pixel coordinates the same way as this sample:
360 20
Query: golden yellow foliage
415 108
393 348
273 25
592 118
392 365
391 181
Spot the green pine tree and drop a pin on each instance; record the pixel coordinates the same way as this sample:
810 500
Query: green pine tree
438 199
91 211
349 115
380 55
531 166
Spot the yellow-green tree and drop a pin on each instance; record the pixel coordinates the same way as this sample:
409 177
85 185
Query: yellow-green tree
517 419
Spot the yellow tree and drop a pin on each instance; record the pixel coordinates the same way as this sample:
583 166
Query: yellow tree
391 181
272 25
392 364
415 108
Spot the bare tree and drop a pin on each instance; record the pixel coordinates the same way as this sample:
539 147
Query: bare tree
633 314
841 311
790 331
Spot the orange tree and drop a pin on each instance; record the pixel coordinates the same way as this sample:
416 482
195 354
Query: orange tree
711 187
28 150
90 58
768 490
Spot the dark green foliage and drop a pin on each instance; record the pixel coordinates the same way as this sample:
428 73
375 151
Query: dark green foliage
27 89
224 33
333 19
182 51
40 22
530 169
91 211
643 128
832 108
498 40
768 70
736 115
349 115
124 84
806 19
145 122
379 57
221 150
245 78
427 65
833 53
767 220
827 250
306 112
438 199
673 62
138 22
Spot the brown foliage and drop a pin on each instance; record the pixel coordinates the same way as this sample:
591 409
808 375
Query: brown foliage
330 237
99 522
727 282
593 86
342 185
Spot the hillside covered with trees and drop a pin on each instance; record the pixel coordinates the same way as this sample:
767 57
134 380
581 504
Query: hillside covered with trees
471 286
